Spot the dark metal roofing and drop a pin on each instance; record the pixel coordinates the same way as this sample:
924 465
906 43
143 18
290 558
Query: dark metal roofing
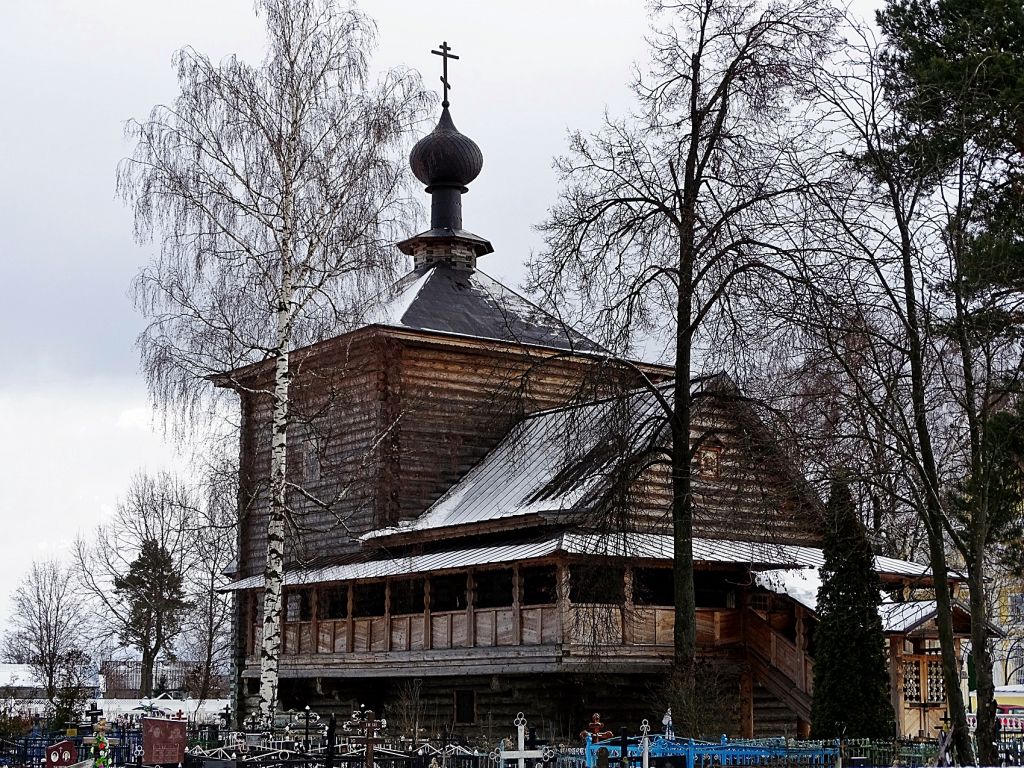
441 298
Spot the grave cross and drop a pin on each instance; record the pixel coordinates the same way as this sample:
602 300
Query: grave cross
523 753
445 55
369 729
94 713
624 747
595 730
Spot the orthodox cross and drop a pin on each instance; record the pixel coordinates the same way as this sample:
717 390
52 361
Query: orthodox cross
369 729
94 713
445 55
595 730
522 753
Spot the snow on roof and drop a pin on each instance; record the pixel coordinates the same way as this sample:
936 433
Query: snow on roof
631 545
801 584
18 676
903 617
550 462
457 301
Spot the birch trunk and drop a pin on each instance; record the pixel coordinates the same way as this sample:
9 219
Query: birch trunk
270 651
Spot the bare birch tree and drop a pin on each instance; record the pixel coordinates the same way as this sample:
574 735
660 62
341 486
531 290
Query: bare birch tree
673 220
276 193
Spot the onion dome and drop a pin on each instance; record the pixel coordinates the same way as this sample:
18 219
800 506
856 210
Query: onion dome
445 157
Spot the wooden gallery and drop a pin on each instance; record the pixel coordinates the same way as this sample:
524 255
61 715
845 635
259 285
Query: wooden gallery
463 545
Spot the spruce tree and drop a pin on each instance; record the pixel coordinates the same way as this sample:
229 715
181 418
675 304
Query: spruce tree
851 679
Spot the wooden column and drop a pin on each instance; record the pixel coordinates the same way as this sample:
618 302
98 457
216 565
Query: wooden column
470 603
314 619
517 618
350 626
746 705
428 632
564 617
896 682
387 615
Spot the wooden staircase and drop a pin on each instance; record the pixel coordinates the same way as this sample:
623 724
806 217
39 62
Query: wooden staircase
779 665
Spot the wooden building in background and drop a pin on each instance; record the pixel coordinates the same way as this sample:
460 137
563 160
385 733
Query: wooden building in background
463 545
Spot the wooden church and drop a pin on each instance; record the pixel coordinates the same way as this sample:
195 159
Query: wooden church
460 547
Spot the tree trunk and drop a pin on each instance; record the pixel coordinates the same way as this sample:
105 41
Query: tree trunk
988 752
146 673
270 651
934 512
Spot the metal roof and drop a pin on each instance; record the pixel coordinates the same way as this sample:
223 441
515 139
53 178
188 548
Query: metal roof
551 462
632 545
441 298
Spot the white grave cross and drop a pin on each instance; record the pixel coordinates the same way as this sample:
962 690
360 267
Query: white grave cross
522 754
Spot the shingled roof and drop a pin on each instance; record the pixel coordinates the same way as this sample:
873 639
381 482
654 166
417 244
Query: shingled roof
443 299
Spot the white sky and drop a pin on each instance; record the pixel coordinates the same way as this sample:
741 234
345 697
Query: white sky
74 420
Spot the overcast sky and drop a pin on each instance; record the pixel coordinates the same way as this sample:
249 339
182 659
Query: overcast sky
74 420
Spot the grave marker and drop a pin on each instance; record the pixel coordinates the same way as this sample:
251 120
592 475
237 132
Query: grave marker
163 741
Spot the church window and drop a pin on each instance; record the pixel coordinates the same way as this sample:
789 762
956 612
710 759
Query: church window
448 593
406 596
465 706
653 586
596 584
493 588
333 603
539 585
368 599
298 606
709 462
311 461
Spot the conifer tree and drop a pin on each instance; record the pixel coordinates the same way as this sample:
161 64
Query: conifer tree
851 681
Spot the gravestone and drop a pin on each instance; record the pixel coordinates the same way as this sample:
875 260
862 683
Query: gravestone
61 754
163 741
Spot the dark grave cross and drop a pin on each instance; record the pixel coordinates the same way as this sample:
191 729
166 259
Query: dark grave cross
94 713
624 745
445 55
945 737
332 730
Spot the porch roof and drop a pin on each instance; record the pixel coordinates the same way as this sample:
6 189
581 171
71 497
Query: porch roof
634 546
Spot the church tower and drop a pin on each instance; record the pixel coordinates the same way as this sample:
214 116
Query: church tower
446 161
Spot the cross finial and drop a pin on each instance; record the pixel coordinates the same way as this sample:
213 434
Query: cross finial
445 55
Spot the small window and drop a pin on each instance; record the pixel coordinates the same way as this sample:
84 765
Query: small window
311 461
761 601
653 586
539 584
493 589
368 599
448 593
465 706
298 606
709 462
406 596
596 584
333 603
1016 606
